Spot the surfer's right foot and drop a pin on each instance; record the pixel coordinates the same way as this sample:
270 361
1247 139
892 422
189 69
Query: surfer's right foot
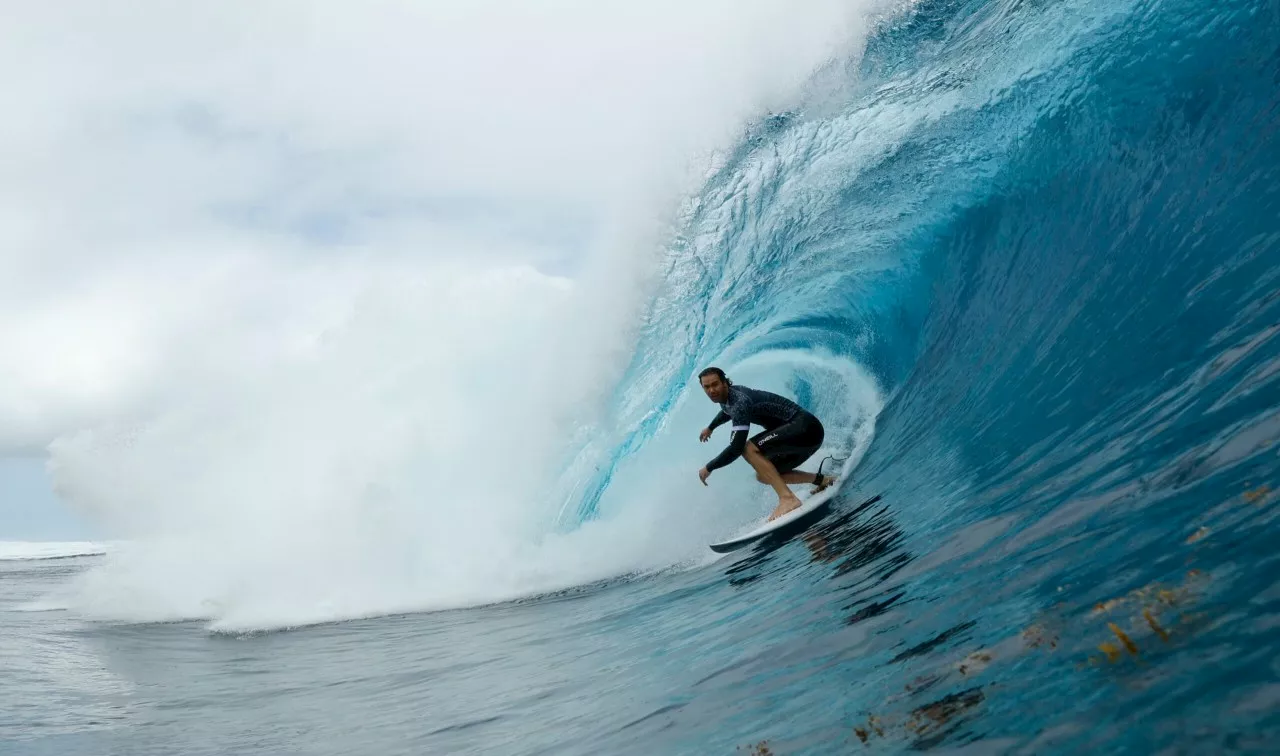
824 482
784 506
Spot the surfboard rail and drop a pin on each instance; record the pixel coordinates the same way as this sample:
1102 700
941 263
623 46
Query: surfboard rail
810 505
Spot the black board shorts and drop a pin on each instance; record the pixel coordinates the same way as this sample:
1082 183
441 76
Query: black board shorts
791 443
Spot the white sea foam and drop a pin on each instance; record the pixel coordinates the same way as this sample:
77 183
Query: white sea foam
311 298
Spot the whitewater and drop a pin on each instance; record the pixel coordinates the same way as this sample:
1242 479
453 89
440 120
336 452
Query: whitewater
367 340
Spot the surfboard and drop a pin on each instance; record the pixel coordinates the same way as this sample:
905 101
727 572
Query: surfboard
808 506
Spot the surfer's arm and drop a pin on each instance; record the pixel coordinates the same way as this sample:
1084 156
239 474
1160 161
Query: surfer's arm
737 445
720 419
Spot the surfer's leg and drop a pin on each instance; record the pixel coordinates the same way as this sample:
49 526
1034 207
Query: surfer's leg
790 446
794 477
767 473
820 482
799 476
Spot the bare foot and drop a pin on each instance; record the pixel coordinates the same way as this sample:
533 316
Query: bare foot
827 481
784 506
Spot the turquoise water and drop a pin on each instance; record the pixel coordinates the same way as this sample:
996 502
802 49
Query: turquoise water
1040 244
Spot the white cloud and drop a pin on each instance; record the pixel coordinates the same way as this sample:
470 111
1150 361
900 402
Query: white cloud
152 147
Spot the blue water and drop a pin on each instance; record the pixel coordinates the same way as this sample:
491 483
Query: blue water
1050 234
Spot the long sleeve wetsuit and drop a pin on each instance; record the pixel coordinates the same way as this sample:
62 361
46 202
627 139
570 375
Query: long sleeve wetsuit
744 407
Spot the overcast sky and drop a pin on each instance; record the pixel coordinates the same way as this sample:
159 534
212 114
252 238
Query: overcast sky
28 509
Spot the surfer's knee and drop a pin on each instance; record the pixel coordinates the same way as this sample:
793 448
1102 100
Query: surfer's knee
760 478
751 450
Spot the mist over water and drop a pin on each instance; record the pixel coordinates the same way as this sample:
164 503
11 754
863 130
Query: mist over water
326 314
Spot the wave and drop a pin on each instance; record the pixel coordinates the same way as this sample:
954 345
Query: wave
1021 259
36 550
384 425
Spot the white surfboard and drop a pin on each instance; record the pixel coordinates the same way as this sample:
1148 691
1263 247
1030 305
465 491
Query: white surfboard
811 504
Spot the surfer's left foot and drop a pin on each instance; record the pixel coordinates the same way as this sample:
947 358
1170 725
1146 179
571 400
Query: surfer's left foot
824 483
784 506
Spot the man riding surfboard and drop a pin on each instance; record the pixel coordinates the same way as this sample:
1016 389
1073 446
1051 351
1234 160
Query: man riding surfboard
791 435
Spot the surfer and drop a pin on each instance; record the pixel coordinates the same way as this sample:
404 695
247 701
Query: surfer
791 435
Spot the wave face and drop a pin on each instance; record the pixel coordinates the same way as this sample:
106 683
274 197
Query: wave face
1050 236
1047 234
1021 259
1024 261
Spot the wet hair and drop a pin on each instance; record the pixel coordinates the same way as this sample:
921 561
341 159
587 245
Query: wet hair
715 371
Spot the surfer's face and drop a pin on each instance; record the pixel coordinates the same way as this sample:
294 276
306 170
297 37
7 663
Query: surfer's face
716 389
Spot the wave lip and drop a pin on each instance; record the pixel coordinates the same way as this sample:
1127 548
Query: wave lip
32 550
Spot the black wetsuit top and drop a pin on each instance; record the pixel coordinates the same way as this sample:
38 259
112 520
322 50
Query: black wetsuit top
744 407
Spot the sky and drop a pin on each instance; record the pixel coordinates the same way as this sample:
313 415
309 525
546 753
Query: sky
220 215
30 511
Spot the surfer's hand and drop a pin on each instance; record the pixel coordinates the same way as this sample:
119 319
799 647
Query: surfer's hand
704 435
703 474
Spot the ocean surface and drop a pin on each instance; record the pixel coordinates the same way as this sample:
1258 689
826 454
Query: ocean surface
1023 258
